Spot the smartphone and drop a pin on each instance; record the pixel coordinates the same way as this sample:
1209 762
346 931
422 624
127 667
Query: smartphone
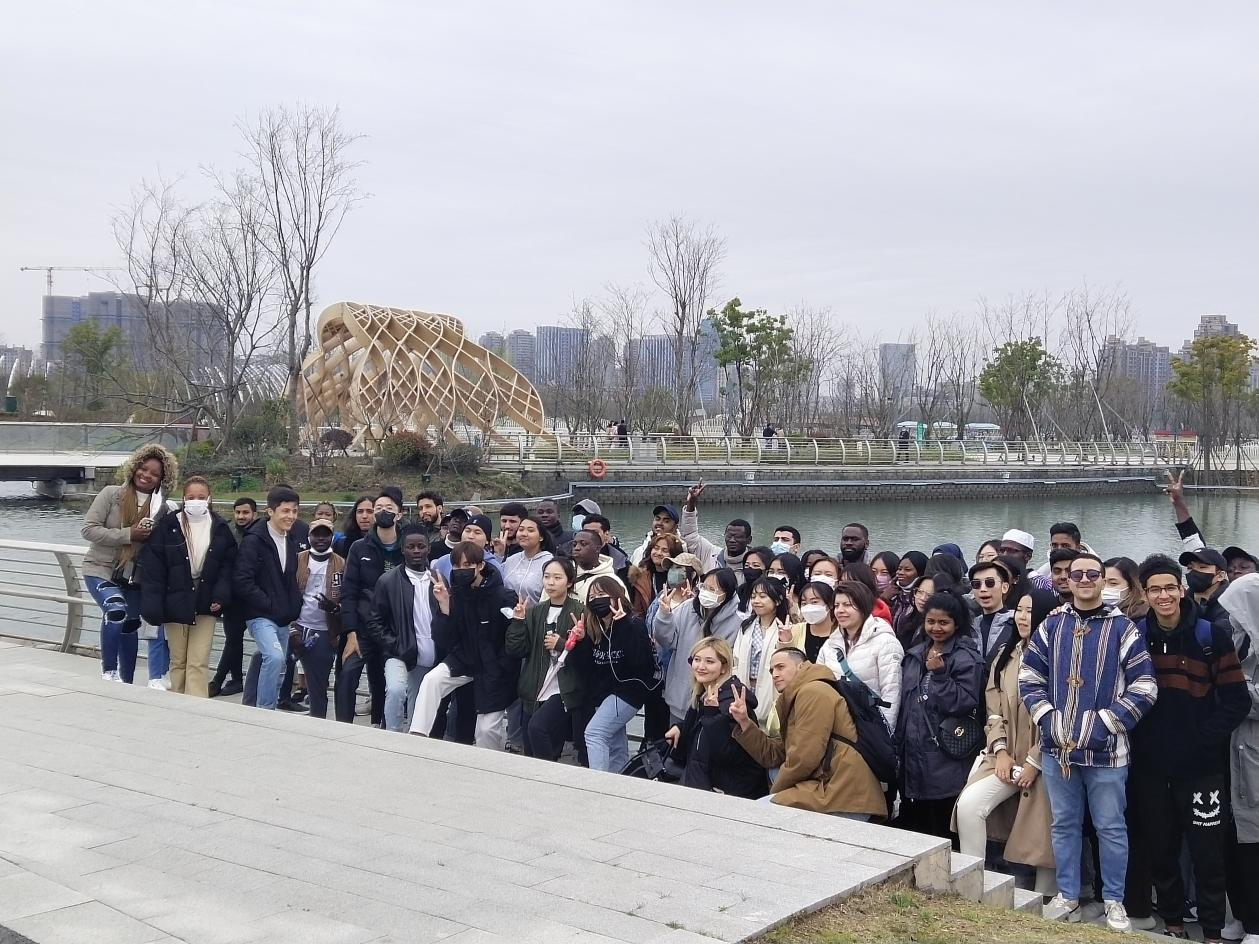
676 578
1016 773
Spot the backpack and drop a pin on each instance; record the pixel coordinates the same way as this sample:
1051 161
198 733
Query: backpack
875 742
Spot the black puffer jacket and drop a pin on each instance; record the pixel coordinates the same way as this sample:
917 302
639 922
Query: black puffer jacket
166 592
472 640
262 590
712 758
368 561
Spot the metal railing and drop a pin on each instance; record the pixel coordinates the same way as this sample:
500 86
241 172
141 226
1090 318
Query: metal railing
42 595
526 449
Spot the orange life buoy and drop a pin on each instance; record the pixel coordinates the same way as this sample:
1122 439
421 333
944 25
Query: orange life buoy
597 468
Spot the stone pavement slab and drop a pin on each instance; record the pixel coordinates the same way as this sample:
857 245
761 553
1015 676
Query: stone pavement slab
136 816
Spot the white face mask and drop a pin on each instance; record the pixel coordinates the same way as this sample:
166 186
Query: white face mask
578 521
1111 595
778 547
708 598
824 578
196 507
813 613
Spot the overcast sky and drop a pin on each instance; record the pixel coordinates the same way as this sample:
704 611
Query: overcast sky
879 159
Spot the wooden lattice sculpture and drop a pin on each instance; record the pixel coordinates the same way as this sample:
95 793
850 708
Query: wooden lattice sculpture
390 368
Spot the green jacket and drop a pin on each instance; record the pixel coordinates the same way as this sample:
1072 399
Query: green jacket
524 641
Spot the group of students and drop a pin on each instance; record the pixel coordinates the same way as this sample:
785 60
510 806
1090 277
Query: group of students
1091 722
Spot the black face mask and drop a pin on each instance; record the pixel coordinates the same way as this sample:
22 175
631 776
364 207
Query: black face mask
1199 582
600 606
385 519
462 578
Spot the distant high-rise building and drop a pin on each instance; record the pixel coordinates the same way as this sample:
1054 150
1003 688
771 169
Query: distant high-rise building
558 350
192 327
653 361
898 368
708 382
1215 326
522 353
1147 364
493 341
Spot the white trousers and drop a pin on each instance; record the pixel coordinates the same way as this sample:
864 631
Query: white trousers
973 808
491 728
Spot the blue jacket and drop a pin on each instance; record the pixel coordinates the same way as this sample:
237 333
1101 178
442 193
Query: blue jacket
1086 684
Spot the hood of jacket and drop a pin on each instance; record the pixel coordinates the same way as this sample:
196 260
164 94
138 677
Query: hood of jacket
170 466
809 672
1241 599
602 569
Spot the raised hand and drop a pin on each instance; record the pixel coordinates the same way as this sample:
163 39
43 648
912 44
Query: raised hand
710 697
521 607
618 611
579 628
500 546
692 496
441 593
739 707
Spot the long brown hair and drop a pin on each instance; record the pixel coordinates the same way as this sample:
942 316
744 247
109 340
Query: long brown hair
615 591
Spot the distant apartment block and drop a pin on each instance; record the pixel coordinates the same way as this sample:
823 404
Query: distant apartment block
493 341
558 351
898 368
193 326
522 353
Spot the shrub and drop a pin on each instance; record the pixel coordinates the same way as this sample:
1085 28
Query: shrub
337 439
277 470
463 459
405 450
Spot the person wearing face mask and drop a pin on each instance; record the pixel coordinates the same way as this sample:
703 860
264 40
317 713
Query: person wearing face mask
470 631
817 610
786 540
1123 588
622 671
370 559
755 565
738 536
825 570
479 531
581 511
683 618
400 627
187 564
314 634
1206 575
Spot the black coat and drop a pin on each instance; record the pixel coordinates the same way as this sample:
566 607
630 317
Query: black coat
166 592
262 590
623 664
927 773
712 759
473 639
366 563
390 626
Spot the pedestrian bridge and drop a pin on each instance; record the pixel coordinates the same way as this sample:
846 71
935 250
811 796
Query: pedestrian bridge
53 455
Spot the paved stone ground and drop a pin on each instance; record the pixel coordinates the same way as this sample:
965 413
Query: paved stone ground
132 816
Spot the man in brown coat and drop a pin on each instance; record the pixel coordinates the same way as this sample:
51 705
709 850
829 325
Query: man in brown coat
818 772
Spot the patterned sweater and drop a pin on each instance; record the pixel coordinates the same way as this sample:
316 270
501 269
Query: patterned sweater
1086 682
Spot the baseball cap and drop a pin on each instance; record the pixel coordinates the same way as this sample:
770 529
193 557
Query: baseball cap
1233 552
1021 538
670 510
319 524
1206 555
686 559
589 506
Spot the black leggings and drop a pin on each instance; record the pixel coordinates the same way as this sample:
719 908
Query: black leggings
928 816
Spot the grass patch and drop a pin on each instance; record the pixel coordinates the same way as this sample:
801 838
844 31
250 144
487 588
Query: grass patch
900 915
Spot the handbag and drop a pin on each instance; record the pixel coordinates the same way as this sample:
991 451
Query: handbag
960 736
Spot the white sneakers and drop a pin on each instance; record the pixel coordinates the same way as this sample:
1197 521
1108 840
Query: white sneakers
1117 917
111 676
1251 939
1069 905
158 684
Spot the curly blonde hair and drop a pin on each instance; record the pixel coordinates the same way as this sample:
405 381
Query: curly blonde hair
129 505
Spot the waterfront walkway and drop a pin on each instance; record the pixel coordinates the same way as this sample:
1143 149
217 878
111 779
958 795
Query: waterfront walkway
132 816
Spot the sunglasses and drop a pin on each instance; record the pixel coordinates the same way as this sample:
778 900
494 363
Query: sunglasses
988 582
1079 576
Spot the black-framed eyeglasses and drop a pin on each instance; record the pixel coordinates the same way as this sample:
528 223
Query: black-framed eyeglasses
1080 576
988 582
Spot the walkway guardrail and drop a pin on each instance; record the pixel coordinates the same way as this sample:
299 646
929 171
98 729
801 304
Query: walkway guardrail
42 595
526 449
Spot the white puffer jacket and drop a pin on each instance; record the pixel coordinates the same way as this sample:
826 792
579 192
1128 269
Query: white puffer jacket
875 658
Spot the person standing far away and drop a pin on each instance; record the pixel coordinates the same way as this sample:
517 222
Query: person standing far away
1087 680
1179 784
854 541
738 537
266 583
229 677
187 564
118 523
1021 544
370 559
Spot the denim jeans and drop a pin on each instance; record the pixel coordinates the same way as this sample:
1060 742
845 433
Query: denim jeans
273 644
159 655
317 657
607 743
399 686
1105 791
120 625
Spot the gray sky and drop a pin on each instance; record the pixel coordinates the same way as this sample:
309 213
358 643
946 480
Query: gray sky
882 159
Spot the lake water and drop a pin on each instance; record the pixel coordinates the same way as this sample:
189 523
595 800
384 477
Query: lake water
1134 525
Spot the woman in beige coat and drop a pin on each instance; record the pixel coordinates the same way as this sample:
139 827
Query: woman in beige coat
1005 797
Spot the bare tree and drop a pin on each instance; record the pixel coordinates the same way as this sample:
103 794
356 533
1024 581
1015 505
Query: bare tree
585 405
814 368
624 314
930 387
683 260
964 351
301 158
1091 318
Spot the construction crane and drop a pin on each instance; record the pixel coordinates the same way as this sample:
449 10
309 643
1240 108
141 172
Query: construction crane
51 269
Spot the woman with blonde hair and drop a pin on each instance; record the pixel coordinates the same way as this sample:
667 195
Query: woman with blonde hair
118 523
703 744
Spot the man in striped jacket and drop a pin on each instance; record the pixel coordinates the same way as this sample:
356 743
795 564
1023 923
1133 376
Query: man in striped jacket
1087 679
